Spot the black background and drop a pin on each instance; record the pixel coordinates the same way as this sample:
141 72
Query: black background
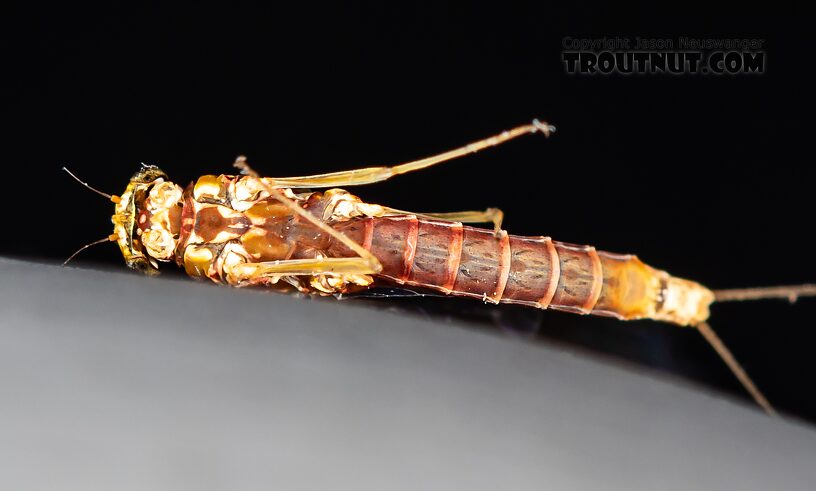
709 177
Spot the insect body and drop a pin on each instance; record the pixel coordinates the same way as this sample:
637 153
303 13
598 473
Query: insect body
231 230
247 230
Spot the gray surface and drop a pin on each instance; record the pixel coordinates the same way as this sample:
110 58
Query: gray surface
114 381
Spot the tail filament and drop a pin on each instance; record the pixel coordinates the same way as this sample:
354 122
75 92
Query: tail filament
735 367
791 293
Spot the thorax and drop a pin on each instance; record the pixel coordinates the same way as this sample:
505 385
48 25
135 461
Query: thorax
225 216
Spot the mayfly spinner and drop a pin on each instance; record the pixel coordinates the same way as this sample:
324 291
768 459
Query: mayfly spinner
247 230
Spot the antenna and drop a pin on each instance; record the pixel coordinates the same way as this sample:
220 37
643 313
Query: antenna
111 197
109 238
790 293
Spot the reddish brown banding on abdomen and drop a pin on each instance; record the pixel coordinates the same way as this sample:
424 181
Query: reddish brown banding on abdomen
411 237
580 279
455 256
368 233
473 262
555 274
532 271
390 244
480 272
597 280
505 263
437 254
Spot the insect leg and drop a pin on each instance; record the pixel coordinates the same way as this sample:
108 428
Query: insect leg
337 265
490 215
371 175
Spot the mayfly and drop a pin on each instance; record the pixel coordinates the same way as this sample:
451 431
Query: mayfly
247 230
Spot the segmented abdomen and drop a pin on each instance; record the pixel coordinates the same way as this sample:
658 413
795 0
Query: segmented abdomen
534 271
